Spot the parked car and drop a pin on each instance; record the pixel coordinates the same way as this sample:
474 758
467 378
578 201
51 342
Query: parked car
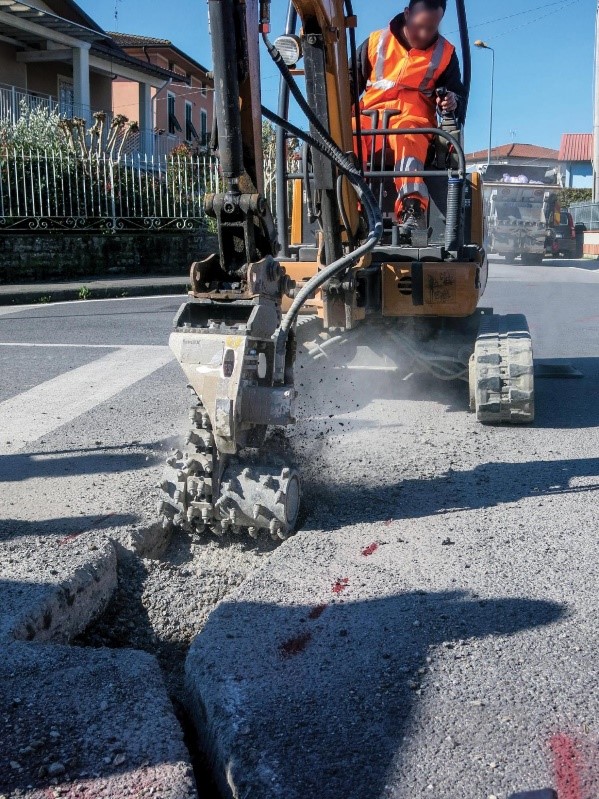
561 237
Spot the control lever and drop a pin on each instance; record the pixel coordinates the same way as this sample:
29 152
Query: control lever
442 93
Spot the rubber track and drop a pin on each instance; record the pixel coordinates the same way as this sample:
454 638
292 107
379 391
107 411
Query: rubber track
502 371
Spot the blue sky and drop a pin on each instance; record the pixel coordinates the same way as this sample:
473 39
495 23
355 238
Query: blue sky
544 72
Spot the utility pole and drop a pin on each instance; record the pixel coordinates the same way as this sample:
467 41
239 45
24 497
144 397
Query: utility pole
596 114
484 46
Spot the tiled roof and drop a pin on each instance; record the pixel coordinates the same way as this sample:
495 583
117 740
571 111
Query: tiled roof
516 151
576 147
133 40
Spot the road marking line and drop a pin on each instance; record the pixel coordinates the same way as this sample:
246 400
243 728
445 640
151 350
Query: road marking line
584 269
58 401
153 347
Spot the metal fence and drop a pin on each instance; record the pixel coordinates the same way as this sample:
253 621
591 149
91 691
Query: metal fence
586 214
63 191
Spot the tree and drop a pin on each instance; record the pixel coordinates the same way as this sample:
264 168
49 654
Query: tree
569 196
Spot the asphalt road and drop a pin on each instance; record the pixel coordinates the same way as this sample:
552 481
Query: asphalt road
461 669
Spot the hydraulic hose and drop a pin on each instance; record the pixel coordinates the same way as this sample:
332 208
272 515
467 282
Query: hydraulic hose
466 55
297 93
373 214
355 83
323 143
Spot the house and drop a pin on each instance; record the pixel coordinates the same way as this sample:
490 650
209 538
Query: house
53 54
515 155
576 160
184 109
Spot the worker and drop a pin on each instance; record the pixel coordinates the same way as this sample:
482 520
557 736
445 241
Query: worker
399 69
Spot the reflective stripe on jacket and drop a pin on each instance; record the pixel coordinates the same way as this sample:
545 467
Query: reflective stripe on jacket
402 77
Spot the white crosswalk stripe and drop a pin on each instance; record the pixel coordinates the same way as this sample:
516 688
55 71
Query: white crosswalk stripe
56 402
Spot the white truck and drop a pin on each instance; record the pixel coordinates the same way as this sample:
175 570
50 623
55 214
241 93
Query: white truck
520 207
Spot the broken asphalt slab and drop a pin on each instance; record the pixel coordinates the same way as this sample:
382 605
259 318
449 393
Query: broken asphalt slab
93 723
338 678
90 724
50 591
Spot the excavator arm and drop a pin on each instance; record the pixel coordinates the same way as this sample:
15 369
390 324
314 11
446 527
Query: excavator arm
230 337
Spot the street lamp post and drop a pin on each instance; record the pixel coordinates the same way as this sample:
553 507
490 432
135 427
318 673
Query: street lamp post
484 46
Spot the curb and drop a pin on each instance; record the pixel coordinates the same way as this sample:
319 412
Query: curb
47 296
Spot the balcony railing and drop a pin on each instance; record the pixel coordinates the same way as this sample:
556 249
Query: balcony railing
12 101
146 143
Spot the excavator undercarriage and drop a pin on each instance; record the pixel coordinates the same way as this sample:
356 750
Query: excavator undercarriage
336 257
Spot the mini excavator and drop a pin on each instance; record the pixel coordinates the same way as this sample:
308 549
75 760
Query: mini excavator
336 254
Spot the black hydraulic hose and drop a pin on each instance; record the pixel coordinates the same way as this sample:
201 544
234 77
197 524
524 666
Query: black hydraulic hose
297 93
345 165
373 214
466 55
323 141
342 210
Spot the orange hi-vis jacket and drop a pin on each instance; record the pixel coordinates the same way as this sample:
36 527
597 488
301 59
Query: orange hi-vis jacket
404 79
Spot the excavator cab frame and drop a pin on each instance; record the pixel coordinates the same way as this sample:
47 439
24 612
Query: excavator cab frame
457 207
446 147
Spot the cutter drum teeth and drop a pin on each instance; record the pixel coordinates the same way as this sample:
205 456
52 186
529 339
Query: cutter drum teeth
502 371
262 498
252 498
187 481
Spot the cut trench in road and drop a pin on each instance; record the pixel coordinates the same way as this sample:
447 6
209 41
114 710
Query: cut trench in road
162 604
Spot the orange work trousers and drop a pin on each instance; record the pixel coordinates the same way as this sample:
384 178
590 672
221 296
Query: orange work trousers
409 153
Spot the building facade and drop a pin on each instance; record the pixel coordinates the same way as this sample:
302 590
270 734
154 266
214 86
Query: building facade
514 155
183 108
576 160
54 55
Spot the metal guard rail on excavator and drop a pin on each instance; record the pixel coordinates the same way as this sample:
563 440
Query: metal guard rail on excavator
460 172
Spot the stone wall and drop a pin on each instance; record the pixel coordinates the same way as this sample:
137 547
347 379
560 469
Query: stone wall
29 257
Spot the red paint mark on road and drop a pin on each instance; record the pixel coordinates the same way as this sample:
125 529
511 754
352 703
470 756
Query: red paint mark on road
295 646
95 523
389 522
370 550
567 767
340 586
317 612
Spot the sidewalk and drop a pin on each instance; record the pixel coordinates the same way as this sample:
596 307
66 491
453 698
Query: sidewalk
92 288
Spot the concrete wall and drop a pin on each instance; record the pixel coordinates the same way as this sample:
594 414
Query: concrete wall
43 78
591 242
125 98
100 87
29 257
